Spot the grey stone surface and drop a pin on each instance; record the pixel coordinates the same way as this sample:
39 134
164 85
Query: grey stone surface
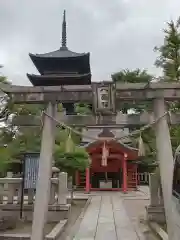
106 218
7 222
16 236
88 225
57 230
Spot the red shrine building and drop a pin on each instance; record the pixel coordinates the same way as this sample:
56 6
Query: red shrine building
117 171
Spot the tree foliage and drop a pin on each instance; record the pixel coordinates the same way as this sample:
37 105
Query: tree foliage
169 61
169 52
71 161
138 76
132 76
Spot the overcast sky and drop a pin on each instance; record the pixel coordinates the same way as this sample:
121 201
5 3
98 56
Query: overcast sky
118 33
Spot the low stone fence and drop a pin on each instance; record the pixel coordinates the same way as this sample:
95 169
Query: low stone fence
11 197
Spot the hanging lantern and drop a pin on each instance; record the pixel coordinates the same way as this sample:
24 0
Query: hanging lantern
105 154
141 148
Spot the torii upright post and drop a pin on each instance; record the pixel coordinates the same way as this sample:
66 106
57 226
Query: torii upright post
165 158
44 176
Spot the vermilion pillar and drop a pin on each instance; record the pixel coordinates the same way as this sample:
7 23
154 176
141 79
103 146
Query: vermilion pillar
87 180
125 173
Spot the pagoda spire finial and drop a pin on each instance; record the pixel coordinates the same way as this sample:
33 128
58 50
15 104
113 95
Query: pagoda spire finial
64 36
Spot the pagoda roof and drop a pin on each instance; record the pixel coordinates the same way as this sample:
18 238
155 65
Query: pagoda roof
63 52
59 79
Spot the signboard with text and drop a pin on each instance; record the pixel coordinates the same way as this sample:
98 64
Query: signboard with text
31 166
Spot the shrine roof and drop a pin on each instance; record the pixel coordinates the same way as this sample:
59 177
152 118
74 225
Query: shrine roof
95 143
106 133
116 145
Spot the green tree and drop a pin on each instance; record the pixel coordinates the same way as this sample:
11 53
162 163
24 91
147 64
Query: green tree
138 76
132 76
169 61
169 52
83 109
16 140
70 158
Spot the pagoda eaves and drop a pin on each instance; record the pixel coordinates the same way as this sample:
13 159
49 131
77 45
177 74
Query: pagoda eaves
57 65
53 80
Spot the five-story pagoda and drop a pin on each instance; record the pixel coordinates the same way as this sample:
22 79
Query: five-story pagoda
61 67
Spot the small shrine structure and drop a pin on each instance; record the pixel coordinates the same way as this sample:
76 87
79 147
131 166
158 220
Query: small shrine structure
113 165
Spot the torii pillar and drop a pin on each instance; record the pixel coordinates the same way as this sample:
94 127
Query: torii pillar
166 163
44 176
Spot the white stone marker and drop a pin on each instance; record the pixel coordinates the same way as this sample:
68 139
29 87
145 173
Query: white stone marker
62 188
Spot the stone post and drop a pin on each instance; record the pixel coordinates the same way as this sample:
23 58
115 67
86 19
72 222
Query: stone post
11 192
62 188
44 176
19 194
154 189
165 158
9 174
52 198
30 196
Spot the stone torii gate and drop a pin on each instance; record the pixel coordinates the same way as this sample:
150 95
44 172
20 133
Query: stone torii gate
105 116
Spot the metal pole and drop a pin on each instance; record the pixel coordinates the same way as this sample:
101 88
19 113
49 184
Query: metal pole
22 187
166 164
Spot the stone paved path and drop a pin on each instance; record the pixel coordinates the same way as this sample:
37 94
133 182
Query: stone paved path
106 219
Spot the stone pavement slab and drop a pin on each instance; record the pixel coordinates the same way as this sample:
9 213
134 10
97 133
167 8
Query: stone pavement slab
88 225
106 219
106 227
